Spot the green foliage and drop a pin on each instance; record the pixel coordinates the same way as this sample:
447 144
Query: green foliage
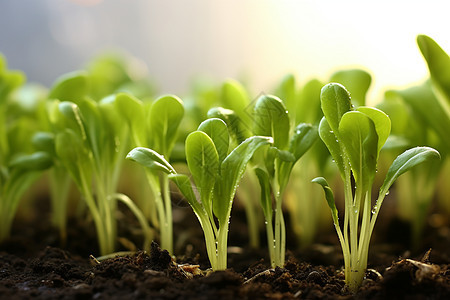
155 126
20 163
354 139
215 178
275 165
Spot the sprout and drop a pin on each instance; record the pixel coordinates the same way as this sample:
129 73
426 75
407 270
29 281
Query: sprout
354 139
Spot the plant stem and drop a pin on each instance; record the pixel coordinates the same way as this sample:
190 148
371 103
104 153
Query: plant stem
140 217
59 189
270 240
166 227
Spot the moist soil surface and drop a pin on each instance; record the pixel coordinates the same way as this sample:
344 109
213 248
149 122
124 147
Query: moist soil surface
34 265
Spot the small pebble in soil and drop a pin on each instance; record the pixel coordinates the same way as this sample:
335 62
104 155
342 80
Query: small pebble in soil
315 277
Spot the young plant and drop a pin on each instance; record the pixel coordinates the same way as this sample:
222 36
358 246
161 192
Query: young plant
90 143
420 117
18 168
354 139
216 175
156 127
236 115
276 163
417 188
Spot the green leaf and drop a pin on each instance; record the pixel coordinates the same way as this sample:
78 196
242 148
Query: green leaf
270 118
94 127
405 161
439 65
266 200
232 170
335 102
381 121
328 196
132 110
184 185
9 80
360 139
357 83
217 130
44 141
308 106
166 114
234 96
285 156
203 162
74 154
70 87
428 112
234 123
287 91
36 161
68 115
305 135
330 140
150 159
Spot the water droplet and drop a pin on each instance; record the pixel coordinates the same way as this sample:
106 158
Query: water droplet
331 131
387 193
266 222
356 211
374 210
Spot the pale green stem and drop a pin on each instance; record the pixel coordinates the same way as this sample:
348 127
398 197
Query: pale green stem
210 239
364 229
222 243
348 199
59 189
139 216
166 227
270 240
154 184
105 247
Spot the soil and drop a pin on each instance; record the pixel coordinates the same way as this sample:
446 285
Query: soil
33 265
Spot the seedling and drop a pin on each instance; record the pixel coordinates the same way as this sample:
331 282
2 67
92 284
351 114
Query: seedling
276 163
419 117
234 98
354 139
90 143
159 129
216 175
18 168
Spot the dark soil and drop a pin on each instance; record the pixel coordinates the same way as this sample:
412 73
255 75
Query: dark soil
32 266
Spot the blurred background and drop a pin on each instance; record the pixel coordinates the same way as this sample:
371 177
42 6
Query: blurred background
254 41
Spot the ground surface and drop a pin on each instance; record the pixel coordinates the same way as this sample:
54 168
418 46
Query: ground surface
31 269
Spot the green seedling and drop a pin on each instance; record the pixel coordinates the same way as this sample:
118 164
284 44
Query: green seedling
90 142
18 168
438 62
276 163
307 211
158 129
416 189
419 117
354 139
302 199
234 97
216 175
